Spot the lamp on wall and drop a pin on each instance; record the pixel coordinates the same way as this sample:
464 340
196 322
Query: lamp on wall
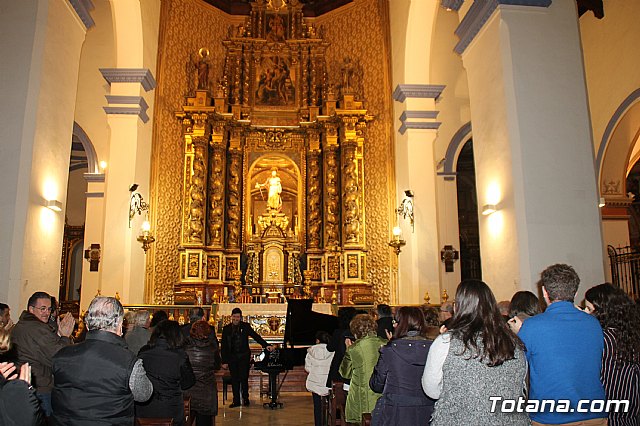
145 236
54 205
406 207
138 205
488 209
396 241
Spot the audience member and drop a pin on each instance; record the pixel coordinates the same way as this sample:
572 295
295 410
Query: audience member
97 381
195 314
36 343
204 355
357 366
139 335
5 317
446 311
317 363
524 304
157 317
432 321
564 350
170 372
620 374
478 358
53 315
504 307
128 323
236 354
384 321
337 344
18 402
398 371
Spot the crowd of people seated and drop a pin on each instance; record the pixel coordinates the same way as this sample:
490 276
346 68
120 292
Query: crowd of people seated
475 361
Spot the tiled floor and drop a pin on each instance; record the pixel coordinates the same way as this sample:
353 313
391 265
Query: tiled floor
297 410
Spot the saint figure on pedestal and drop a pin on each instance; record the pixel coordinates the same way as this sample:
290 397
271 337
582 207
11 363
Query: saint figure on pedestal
273 184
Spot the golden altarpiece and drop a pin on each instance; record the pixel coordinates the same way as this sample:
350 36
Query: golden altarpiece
274 181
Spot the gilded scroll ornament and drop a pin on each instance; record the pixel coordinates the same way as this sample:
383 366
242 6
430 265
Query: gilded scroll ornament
351 208
197 193
332 212
314 219
233 200
216 197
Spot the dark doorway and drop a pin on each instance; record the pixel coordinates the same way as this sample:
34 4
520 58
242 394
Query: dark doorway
470 266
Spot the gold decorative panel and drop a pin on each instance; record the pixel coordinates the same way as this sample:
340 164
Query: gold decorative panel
276 97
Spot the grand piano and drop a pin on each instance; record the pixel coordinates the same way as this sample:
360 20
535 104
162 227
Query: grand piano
301 327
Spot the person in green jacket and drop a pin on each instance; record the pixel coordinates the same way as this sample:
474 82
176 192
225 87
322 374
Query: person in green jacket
358 364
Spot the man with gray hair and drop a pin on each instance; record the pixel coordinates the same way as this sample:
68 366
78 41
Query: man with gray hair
98 380
140 334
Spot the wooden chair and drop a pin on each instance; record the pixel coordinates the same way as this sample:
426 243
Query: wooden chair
337 403
140 421
226 382
366 419
188 418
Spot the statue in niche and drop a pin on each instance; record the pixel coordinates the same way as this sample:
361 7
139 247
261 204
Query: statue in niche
202 70
347 75
274 186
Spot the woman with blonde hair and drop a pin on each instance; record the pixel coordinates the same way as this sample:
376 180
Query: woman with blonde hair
358 364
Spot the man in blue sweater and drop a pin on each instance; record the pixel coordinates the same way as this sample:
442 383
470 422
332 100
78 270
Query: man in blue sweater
564 349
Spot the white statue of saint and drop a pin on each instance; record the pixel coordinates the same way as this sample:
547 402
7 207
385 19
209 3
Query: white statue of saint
274 202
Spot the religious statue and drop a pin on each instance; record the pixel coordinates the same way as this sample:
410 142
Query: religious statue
273 184
347 75
202 70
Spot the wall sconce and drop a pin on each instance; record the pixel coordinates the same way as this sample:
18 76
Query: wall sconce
449 255
136 203
145 236
54 205
397 242
488 209
406 207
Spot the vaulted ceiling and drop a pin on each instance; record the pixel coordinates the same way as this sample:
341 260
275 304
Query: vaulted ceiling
318 7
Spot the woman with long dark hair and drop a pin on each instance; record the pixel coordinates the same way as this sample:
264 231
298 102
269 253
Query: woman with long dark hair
168 367
620 374
478 358
398 371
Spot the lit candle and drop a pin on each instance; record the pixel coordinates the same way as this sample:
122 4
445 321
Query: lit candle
146 228
225 291
397 233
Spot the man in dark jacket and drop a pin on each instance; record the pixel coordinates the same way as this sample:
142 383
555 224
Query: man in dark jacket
35 342
236 354
97 381
384 320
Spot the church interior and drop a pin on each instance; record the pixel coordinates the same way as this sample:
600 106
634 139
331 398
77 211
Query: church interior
489 141
222 153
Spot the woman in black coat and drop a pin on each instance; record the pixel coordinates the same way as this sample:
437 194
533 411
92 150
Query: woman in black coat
168 367
204 355
398 374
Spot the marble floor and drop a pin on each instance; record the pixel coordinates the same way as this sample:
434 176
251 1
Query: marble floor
297 411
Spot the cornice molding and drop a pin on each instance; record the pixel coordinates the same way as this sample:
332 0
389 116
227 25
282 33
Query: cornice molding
139 109
94 177
404 91
83 9
130 75
478 15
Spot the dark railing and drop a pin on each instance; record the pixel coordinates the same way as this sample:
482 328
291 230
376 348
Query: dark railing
625 269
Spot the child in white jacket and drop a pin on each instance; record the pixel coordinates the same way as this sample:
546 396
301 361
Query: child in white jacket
317 364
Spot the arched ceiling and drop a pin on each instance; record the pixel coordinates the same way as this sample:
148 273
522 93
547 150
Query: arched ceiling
311 7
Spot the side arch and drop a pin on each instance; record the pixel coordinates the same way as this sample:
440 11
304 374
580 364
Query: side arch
453 149
79 135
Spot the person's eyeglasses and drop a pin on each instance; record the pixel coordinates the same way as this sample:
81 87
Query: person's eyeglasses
43 308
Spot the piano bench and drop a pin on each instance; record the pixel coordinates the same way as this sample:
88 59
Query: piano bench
226 381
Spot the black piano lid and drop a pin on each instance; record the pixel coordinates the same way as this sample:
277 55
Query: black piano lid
303 324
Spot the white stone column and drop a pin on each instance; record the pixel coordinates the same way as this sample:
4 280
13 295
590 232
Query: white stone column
38 81
532 142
